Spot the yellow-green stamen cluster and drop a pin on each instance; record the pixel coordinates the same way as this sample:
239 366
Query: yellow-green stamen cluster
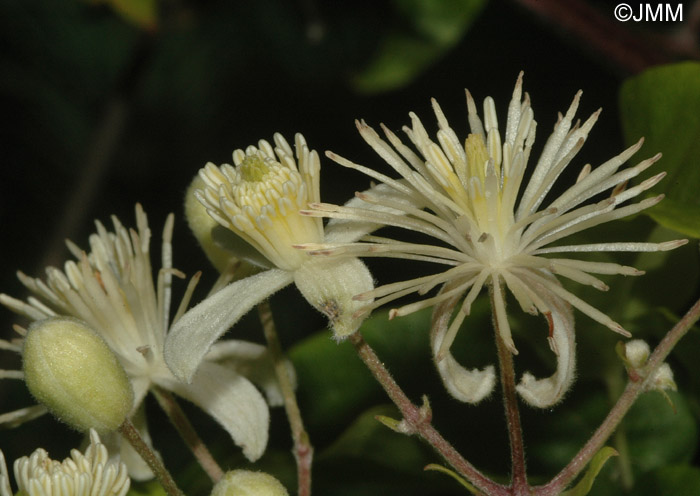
259 198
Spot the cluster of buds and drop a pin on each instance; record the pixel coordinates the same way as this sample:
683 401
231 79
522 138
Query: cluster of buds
635 355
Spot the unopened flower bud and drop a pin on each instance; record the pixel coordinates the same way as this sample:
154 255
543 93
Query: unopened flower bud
248 483
636 353
70 369
663 378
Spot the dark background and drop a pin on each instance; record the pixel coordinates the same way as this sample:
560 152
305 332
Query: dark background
100 114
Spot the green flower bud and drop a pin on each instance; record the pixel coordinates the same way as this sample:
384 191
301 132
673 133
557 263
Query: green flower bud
247 483
70 369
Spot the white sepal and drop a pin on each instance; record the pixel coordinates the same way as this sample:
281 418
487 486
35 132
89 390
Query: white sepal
543 393
469 386
255 363
192 335
233 401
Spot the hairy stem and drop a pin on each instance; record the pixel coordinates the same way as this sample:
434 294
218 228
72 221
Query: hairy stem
601 33
129 432
303 451
510 402
418 420
624 403
178 418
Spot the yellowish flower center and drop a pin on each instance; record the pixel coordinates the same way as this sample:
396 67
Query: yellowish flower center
477 156
262 198
253 169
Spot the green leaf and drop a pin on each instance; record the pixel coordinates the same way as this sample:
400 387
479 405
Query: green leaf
586 483
369 459
663 105
670 481
657 435
369 439
454 475
428 30
142 13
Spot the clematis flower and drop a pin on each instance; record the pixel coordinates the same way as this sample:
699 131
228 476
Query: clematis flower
256 204
80 475
496 226
111 289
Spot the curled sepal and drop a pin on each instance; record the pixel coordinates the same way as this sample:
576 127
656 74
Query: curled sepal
543 393
248 483
470 386
586 483
329 286
454 475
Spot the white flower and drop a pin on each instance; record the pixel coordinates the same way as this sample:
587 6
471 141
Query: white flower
257 203
495 229
112 290
80 475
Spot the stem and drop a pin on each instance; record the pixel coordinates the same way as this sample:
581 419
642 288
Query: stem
601 33
129 432
303 451
510 401
419 422
624 403
183 426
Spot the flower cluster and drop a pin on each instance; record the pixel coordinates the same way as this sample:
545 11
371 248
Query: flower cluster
496 228
259 201
494 223
111 289
80 475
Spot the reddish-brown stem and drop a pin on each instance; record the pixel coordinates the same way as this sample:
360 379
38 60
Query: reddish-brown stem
303 451
419 423
624 403
188 434
610 38
129 432
510 402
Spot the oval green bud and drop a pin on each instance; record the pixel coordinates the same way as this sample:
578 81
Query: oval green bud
70 369
248 483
